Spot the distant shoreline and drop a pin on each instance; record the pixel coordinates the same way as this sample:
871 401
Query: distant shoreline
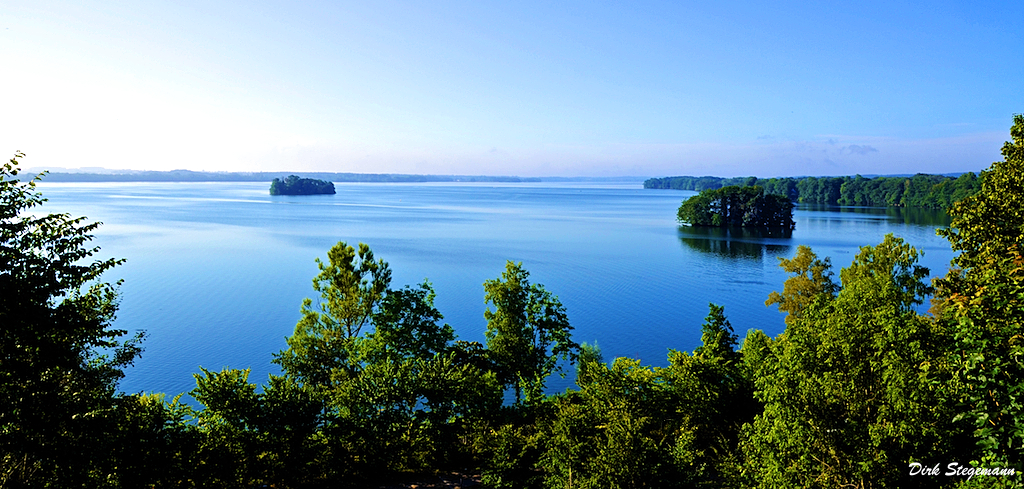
198 176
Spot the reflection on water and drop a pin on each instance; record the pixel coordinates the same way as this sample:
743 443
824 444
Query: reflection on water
736 242
905 215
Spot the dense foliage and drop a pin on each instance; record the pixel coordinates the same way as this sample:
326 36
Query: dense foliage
857 391
60 360
293 185
981 300
921 190
737 206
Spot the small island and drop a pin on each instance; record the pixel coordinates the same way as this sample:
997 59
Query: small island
737 206
293 185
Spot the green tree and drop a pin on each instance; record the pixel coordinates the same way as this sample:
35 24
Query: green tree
811 278
150 442
737 206
396 393
633 426
931 191
620 430
60 357
293 185
847 389
351 287
252 438
712 391
406 326
980 300
527 332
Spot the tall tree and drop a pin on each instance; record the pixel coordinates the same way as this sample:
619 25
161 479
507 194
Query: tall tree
60 357
713 393
980 299
351 287
528 330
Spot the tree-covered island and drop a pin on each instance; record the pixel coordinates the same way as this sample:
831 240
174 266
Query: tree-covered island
294 185
737 206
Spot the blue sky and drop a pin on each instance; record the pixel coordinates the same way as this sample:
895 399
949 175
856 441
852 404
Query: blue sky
513 88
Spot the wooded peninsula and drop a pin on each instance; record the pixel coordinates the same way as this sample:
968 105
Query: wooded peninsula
860 390
921 190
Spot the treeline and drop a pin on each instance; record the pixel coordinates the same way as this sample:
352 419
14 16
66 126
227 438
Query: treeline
860 390
921 190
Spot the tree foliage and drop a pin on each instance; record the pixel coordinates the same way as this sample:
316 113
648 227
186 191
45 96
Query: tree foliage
981 300
396 392
634 426
921 190
737 206
60 358
324 345
528 330
293 185
846 389
811 278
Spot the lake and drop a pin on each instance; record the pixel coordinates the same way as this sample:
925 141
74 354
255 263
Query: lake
216 272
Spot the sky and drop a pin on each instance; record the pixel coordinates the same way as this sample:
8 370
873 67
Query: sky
561 88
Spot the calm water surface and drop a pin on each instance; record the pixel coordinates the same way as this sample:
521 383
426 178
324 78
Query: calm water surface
216 272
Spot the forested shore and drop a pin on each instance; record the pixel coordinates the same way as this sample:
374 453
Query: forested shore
921 190
860 390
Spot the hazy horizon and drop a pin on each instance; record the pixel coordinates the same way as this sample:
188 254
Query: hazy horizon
117 171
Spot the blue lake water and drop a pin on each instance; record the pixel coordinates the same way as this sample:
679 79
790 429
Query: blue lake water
216 272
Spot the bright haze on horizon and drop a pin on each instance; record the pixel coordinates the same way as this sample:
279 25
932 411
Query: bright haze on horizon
512 88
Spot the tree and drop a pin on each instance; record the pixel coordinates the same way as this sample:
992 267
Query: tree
293 185
351 288
633 426
396 393
847 389
60 357
250 438
528 330
712 392
620 430
980 301
737 206
406 326
812 278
